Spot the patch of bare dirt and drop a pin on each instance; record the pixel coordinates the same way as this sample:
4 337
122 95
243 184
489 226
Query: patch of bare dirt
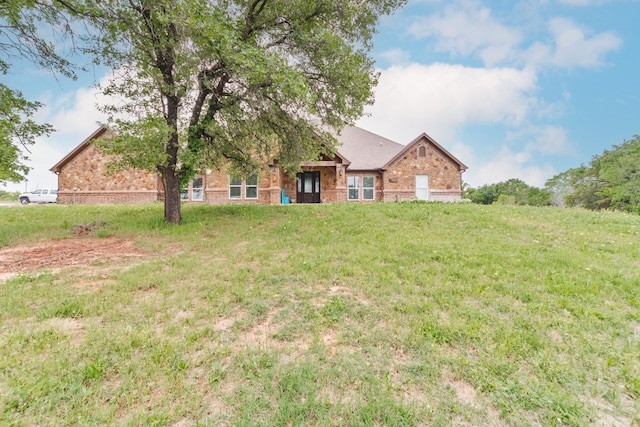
468 394
64 253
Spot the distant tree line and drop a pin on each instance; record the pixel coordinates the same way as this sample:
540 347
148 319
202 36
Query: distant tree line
610 181
511 192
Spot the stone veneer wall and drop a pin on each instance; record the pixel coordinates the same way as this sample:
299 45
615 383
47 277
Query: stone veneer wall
85 180
445 182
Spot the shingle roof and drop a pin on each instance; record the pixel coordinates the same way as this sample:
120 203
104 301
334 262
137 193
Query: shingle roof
366 150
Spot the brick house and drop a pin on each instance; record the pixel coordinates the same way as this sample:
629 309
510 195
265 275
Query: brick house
366 168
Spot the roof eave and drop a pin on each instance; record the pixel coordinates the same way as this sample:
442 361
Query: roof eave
96 134
424 135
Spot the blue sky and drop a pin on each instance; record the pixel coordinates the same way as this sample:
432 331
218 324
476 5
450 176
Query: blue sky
513 89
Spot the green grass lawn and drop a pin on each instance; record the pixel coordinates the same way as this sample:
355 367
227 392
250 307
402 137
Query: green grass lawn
345 314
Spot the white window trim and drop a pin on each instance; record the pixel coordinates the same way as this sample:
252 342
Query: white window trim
373 189
357 187
243 186
360 188
247 186
189 190
235 186
201 188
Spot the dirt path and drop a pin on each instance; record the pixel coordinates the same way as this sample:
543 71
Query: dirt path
64 253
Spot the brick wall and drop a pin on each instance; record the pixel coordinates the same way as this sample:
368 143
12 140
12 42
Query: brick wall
107 197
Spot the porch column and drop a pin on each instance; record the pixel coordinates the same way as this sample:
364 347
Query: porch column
341 183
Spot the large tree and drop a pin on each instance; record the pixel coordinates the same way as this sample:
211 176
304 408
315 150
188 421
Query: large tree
29 29
610 181
226 83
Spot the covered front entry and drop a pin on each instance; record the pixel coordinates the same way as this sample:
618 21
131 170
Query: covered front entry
308 187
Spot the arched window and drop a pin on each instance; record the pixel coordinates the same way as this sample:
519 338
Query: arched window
422 151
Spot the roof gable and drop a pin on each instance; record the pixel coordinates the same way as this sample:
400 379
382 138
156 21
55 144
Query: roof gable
432 142
73 153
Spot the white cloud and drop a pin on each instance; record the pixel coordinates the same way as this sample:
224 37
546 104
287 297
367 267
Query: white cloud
582 2
469 29
441 98
505 165
575 48
544 139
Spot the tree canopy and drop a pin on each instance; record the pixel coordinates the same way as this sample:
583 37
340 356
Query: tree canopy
610 181
229 83
513 191
22 35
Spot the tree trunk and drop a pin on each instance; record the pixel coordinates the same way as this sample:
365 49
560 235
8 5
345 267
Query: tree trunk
172 207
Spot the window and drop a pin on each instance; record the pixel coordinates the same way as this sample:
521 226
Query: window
353 185
361 185
422 187
422 151
197 192
235 187
194 191
250 185
368 187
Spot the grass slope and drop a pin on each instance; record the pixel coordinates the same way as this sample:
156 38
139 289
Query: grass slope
345 314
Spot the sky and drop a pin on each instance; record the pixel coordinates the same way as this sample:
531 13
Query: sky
513 89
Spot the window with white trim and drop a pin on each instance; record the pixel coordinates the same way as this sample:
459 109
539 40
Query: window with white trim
194 191
361 187
368 187
197 189
353 187
251 187
235 187
246 188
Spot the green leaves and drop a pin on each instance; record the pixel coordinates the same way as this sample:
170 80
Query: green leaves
610 181
233 83
511 192
17 132
30 30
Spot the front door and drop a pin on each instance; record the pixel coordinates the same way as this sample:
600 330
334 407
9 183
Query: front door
308 187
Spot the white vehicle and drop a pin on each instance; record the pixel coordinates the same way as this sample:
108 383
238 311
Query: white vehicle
43 195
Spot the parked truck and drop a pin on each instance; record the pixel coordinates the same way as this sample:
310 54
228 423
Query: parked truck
43 195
